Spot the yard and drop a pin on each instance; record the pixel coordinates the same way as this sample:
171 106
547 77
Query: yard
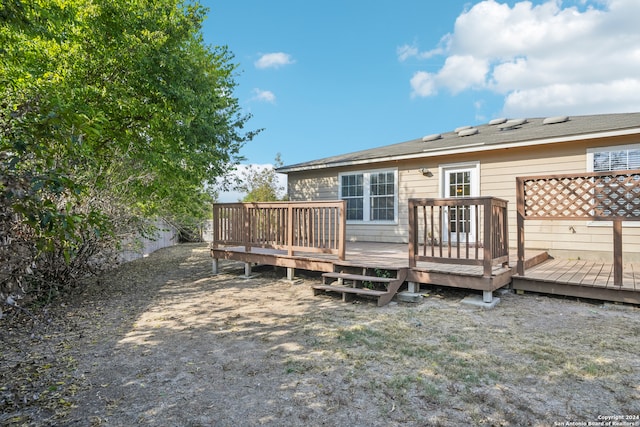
161 341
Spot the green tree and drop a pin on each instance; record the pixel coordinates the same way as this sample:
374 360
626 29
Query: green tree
262 184
110 111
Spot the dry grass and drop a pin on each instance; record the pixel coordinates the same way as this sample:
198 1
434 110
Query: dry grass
162 342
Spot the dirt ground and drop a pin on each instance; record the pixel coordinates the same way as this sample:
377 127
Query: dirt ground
162 342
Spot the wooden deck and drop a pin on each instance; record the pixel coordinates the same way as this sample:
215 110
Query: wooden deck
581 278
458 242
367 255
576 278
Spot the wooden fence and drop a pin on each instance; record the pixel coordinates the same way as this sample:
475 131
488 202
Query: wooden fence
603 196
316 227
460 230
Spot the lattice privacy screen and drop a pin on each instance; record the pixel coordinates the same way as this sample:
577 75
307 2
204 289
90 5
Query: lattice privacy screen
596 196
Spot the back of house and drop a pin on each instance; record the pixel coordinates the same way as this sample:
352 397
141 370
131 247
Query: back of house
482 160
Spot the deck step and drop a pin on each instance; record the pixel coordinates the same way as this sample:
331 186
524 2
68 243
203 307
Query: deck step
383 297
349 290
347 276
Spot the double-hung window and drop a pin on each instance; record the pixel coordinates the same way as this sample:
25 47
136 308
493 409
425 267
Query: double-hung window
371 196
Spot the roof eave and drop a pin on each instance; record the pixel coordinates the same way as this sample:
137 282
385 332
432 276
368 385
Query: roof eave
469 148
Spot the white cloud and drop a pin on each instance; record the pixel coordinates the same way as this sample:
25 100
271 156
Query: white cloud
423 84
406 51
579 59
274 60
614 96
264 96
461 72
457 74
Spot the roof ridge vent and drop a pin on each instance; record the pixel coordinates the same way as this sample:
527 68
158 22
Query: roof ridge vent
468 132
512 124
432 137
554 120
459 128
498 121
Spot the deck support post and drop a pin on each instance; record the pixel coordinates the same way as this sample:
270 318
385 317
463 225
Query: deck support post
291 272
214 266
247 269
617 253
487 296
414 287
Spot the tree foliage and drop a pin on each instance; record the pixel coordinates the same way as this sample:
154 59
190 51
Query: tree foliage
110 111
262 184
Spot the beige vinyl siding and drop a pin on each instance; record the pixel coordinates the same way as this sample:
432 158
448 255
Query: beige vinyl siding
413 184
498 172
575 238
315 185
323 185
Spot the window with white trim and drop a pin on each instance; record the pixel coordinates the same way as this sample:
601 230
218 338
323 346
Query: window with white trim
623 157
371 196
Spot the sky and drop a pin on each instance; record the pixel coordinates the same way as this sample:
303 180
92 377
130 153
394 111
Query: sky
332 77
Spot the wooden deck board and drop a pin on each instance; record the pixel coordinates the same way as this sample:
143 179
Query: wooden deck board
546 270
591 278
579 277
574 270
605 278
627 276
562 266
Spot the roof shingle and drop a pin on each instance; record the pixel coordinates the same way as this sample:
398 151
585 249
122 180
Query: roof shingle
532 132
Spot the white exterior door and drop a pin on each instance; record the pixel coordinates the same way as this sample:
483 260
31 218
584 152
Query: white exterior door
460 181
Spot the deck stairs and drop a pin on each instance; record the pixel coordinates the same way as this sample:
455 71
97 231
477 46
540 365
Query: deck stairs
351 283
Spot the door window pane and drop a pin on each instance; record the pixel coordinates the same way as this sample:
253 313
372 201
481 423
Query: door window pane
460 184
459 216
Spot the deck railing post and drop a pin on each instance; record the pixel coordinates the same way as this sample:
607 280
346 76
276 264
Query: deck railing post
215 227
617 252
290 229
413 233
246 236
488 237
505 234
342 234
520 224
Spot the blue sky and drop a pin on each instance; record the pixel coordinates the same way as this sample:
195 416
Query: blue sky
331 77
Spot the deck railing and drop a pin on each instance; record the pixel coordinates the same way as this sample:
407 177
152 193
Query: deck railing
317 227
460 230
600 196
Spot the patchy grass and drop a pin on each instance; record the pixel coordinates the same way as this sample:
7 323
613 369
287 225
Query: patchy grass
162 342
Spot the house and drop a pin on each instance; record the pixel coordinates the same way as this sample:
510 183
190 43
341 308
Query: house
448 209
481 160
